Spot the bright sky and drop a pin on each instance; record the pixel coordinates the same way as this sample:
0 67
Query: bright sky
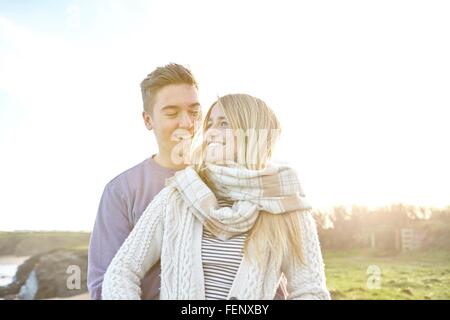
362 89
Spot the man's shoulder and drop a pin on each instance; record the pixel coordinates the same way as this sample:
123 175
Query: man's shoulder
130 175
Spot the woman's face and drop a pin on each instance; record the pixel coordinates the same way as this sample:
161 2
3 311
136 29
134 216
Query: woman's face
219 138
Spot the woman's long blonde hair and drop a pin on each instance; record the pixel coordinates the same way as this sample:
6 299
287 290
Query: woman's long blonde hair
280 234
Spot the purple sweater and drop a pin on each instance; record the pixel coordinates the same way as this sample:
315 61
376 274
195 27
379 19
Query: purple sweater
123 201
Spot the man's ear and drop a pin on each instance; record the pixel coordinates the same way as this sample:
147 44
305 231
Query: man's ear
147 120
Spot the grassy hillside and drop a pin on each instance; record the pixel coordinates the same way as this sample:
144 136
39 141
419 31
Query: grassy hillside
26 243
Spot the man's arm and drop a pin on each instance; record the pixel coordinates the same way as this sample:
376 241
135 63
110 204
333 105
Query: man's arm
111 229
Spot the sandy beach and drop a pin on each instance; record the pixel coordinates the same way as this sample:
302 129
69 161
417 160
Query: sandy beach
84 296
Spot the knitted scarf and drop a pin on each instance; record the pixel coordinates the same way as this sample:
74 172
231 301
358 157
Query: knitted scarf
274 189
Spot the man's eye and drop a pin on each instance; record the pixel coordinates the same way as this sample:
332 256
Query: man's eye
224 124
171 114
195 113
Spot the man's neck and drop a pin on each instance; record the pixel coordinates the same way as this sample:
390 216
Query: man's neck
166 162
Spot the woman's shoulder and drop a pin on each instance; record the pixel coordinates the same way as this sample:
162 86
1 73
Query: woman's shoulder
161 201
166 193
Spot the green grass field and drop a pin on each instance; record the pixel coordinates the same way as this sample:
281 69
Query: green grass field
412 275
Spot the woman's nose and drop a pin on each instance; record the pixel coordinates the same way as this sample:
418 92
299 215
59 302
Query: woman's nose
214 135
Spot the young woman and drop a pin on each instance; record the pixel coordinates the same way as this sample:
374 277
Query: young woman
229 226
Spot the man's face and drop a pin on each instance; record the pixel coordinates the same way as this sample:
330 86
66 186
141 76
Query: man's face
176 115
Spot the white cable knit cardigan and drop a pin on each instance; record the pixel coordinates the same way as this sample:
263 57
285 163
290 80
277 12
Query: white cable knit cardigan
176 241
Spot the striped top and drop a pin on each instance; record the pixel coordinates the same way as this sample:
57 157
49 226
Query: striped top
221 260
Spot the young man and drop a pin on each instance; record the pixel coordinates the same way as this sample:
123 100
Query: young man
172 111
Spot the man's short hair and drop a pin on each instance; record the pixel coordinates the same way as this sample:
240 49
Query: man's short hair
171 73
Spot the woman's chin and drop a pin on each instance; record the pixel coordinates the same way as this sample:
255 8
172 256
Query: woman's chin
221 162
217 162
217 155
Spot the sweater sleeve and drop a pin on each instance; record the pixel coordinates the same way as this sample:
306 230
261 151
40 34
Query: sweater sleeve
140 251
307 281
